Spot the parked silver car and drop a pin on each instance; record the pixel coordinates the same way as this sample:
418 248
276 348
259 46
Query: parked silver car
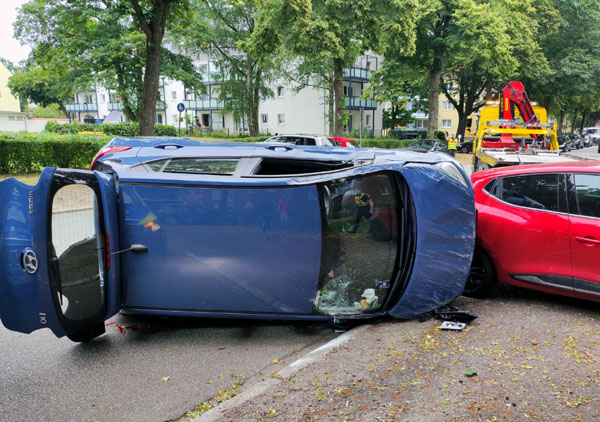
301 139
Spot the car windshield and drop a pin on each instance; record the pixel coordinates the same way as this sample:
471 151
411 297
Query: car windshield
329 142
359 244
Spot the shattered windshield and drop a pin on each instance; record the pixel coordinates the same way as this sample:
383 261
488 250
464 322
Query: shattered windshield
359 244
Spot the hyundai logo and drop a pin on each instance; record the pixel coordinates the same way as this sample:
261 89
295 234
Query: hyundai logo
30 261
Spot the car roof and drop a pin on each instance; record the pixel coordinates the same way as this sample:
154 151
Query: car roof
567 166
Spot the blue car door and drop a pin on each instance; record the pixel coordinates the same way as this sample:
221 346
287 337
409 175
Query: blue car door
56 270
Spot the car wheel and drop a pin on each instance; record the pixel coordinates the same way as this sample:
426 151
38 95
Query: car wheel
482 277
464 150
83 336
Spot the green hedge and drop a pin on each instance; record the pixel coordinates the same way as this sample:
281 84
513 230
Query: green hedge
385 143
113 129
30 152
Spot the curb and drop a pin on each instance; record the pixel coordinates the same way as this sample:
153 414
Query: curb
262 387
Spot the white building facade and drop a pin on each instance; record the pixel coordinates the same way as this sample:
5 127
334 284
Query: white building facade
288 111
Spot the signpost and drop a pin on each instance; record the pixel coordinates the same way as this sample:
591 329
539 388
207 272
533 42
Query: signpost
180 109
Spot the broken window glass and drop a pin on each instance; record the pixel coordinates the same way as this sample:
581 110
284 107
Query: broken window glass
359 243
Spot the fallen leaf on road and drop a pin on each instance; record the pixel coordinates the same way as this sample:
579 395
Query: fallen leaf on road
275 361
165 379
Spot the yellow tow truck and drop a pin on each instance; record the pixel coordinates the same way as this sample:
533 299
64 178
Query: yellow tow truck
506 136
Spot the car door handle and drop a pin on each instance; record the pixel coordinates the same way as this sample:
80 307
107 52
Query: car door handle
590 241
279 147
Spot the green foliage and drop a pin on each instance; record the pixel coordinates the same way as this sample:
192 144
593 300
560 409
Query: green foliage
25 152
82 42
128 129
48 112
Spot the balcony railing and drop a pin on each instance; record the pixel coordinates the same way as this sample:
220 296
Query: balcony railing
118 106
76 107
357 74
210 104
160 105
354 103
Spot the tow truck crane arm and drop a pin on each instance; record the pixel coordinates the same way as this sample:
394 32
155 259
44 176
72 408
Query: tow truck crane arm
514 94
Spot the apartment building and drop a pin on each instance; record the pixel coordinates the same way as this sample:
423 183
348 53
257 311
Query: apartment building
447 118
289 111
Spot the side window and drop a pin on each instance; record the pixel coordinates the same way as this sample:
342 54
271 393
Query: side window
539 191
222 167
494 188
309 141
587 187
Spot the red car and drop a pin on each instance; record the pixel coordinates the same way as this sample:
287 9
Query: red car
538 226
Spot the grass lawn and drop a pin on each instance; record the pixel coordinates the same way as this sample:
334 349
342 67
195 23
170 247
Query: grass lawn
28 179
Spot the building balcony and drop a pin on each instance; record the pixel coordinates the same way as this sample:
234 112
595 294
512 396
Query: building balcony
115 106
357 74
161 105
77 107
210 104
356 103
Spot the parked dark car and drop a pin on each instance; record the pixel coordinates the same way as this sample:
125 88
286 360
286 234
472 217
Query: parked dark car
169 226
538 227
564 143
466 147
576 141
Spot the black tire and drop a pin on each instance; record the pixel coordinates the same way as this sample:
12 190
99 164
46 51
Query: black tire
464 150
83 336
482 277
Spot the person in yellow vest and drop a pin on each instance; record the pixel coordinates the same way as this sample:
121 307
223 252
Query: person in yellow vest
452 144
364 208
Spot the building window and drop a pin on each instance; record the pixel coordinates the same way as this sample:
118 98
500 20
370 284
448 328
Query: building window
368 120
173 95
159 119
449 86
345 91
447 105
264 118
175 118
103 97
280 91
420 123
446 123
408 106
281 119
89 99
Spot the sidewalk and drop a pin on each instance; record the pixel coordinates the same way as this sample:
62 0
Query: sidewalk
527 356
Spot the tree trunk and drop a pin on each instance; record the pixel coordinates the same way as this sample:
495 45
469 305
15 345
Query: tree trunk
547 102
251 107
62 108
435 75
154 31
488 88
560 122
574 119
330 110
150 89
338 97
583 119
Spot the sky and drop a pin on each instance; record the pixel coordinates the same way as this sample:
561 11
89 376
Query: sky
10 48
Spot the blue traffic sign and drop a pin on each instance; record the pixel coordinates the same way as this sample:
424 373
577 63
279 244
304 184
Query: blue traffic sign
180 107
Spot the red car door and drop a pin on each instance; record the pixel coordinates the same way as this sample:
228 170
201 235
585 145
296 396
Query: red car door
584 207
522 227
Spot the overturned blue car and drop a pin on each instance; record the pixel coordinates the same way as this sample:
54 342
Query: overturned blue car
170 226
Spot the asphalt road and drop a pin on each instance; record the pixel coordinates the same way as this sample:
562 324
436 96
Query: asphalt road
142 369
589 153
